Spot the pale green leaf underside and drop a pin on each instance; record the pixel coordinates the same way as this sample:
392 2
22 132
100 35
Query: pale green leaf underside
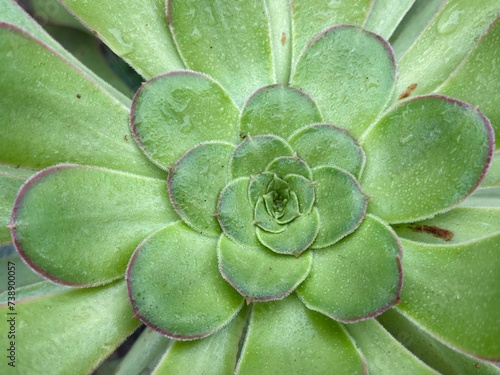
386 16
57 113
50 12
195 182
259 274
278 110
483 198
437 355
358 277
476 80
424 156
350 73
176 111
284 337
24 274
70 316
444 43
98 214
458 225
139 34
280 26
230 41
492 178
383 353
213 355
174 282
453 291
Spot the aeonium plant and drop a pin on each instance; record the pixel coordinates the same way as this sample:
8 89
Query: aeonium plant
282 195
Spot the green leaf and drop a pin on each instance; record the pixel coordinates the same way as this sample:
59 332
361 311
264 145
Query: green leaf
284 337
50 13
253 154
264 219
423 157
441 357
235 213
357 278
453 292
350 72
296 238
224 39
304 190
70 316
213 355
139 35
286 165
174 112
340 202
383 353
195 182
11 180
100 215
309 17
259 274
492 178
278 110
458 225
175 287
476 80
24 275
57 113
444 43
483 198
324 144
386 16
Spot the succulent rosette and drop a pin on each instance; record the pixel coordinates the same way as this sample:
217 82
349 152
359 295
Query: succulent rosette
282 177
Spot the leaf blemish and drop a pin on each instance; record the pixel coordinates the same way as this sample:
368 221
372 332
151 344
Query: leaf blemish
283 38
408 91
437 232
78 96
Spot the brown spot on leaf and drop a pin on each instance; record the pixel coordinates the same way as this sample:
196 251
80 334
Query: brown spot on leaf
477 365
437 232
78 96
283 38
408 91
125 137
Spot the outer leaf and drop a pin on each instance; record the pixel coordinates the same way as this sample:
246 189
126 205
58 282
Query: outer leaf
284 337
69 117
184 106
278 110
453 292
441 357
175 287
383 353
444 43
259 274
23 274
357 278
350 72
279 16
139 35
483 198
214 355
386 16
50 12
492 178
47 310
425 156
476 79
100 215
212 39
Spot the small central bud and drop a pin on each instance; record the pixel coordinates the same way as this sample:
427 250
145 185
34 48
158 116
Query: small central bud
277 197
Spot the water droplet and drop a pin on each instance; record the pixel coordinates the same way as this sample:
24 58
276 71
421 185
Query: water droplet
126 47
449 21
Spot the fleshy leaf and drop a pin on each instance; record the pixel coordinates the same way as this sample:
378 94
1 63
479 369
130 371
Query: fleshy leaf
259 274
476 78
99 214
444 43
309 17
264 220
425 156
224 39
285 165
66 117
194 184
492 178
279 110
483 198
284 337
184 106
304 190
453 292
140 35
235 214
324 144
357 278
258 186
48 310
173 284
386 15
24 274
280 28
340 202
383 353
458 225
343 67
213 355
253 154
431 351
297 237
